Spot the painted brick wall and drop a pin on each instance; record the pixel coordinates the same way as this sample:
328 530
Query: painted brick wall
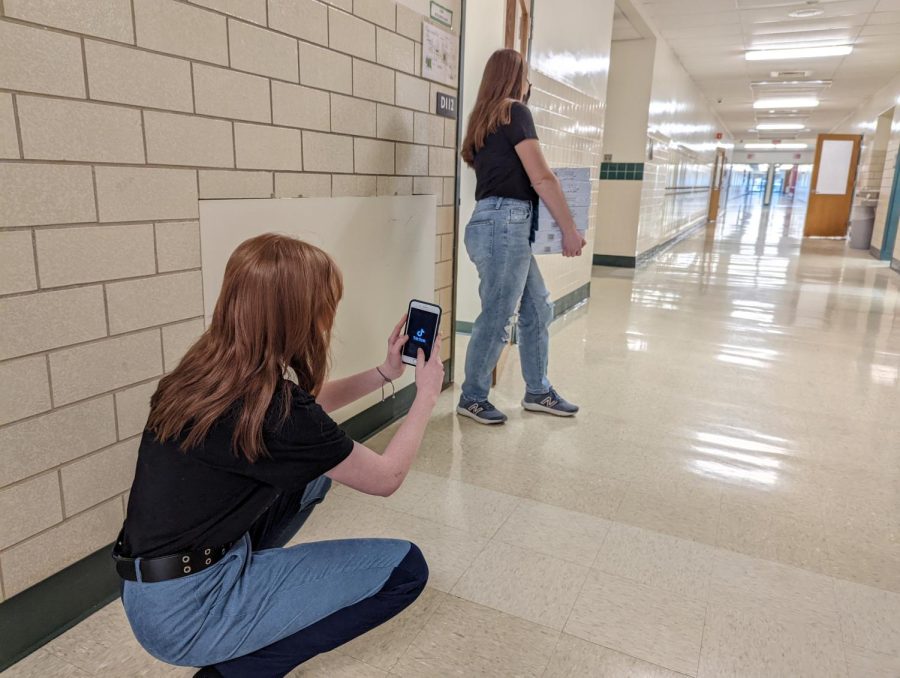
116 117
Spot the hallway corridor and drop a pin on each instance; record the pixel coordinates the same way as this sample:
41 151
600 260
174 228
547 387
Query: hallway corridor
726 504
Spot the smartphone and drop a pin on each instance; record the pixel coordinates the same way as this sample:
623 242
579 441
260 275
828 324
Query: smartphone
422 325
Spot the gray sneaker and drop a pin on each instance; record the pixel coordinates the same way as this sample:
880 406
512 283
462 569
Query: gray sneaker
480 410
550 402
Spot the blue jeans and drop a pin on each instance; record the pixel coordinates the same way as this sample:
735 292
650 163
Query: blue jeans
498 240
262 609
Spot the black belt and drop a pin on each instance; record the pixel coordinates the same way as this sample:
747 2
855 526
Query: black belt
167 567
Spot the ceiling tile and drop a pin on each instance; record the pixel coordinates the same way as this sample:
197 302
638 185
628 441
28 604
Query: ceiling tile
881 29
704 35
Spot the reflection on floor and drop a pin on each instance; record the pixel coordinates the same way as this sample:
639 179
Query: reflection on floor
727 503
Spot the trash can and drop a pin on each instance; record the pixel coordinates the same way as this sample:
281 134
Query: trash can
862 221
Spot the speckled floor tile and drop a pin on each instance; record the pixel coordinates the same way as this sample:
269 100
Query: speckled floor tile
658 560
740 579
40 664
576 658
382 647
553 531
863 663
755 641
530 585
336 665
451 502
448 550
687 517
463 639
761 533
870 617
657 626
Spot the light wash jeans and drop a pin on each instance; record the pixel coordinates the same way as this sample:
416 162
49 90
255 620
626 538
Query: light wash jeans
498 240
255 597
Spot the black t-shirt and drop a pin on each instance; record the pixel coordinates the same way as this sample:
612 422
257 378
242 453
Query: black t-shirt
498 170
208 496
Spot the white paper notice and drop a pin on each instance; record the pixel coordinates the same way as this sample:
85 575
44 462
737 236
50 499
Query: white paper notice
440 54
834 167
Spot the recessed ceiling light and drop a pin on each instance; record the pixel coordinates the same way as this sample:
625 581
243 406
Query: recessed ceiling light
806 13
797 52
779 125
786 102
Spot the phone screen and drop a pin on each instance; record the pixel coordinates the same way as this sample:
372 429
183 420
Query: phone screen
420 327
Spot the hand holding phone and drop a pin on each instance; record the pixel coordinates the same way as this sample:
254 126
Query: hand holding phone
430 374
422 327
393 367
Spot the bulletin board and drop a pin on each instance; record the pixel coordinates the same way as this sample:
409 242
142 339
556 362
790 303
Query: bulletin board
384 247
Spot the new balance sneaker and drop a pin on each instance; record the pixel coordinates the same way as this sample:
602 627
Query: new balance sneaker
550 402
481 411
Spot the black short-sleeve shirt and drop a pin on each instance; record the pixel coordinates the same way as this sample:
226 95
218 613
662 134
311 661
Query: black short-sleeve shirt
209 496
498 170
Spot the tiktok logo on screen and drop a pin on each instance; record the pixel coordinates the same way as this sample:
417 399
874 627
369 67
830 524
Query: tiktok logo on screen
420 336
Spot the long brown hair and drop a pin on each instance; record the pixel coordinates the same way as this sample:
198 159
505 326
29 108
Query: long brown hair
502 83
276 310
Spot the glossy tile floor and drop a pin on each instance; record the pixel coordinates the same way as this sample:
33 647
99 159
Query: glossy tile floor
727 503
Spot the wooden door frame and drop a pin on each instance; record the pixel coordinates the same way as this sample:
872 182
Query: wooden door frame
516 11
513 8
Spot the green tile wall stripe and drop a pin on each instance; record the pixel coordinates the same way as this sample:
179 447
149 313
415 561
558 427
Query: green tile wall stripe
622 171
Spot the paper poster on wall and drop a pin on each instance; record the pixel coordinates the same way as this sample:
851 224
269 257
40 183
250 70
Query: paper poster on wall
834 167
440 55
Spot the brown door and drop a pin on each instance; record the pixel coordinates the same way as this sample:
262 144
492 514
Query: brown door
831 192
716 188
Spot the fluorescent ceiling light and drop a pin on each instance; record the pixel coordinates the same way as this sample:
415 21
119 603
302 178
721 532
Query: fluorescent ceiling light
786 102
779 125
797 52
773 147
791 83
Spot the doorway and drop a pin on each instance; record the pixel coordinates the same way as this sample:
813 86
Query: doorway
893 216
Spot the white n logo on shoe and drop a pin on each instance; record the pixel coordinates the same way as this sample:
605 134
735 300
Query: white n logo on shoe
549 402
475 408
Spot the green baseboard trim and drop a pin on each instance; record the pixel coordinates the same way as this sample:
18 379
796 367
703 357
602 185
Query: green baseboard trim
566 303
895 264
39 614
614 260
650 254
875 252
561 306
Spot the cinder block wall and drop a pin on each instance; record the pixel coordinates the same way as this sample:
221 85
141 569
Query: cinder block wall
116 116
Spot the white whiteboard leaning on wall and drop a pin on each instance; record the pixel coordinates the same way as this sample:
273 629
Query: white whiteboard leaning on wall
384 246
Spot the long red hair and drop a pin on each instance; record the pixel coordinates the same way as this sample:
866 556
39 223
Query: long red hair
502 83
275 311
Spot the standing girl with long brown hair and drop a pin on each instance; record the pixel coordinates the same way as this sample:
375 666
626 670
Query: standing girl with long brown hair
235 456
501 144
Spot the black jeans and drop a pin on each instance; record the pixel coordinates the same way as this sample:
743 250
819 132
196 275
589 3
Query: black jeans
275 529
